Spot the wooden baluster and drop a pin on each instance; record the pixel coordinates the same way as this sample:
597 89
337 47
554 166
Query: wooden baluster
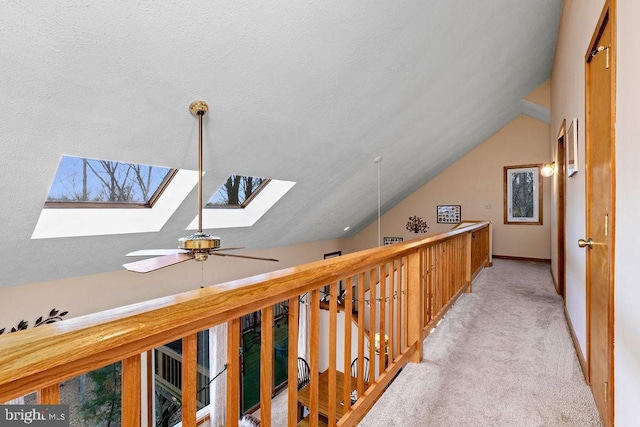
361 328
233 372
399 311
292 351
467 261
383 315
49 395
405 304
373 279
449 276
348 319
414 312
428 288
314 357
189 378
266 366
131 384
333 333
393 298
453 260
150 380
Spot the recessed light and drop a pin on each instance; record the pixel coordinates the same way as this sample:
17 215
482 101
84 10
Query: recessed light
347 228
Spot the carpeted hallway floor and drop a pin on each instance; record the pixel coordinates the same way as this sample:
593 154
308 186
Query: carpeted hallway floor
502 356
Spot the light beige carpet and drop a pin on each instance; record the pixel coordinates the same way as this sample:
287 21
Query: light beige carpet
502 356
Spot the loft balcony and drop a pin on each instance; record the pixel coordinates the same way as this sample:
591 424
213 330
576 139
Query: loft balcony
382 304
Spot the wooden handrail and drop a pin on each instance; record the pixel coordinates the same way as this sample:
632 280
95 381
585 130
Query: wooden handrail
40 358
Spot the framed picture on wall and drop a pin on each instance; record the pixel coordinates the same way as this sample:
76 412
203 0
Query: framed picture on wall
391 240
572 148
325 291
449 214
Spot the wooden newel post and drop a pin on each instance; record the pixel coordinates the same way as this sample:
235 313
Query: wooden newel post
414 303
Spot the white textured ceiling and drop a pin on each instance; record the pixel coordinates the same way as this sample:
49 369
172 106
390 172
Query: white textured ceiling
304 91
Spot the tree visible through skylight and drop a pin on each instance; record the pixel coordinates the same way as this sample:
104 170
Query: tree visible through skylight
80 180
237 191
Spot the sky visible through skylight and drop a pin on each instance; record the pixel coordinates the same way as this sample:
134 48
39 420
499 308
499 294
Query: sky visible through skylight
236 191
92 180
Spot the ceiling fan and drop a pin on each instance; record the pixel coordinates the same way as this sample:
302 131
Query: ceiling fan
197 246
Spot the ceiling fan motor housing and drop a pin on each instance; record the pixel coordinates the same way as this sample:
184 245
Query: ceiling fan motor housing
199 244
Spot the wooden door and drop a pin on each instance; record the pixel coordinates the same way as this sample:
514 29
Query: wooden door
600 75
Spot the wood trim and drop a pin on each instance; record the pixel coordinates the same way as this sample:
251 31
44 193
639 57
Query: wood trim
520 258
576 345
561 208
612 262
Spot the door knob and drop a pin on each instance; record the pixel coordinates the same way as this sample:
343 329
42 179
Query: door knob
582 243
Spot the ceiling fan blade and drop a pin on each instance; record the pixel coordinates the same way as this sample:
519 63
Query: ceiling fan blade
245 256
152 264
157 252
226 249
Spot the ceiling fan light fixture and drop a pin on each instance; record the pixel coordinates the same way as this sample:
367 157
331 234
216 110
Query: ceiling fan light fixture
199 242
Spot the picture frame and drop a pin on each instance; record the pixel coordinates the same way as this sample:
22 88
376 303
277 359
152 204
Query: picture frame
391 240
523 195
449 214
325 291
572 148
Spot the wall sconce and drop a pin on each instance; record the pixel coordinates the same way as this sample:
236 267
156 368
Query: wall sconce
548 169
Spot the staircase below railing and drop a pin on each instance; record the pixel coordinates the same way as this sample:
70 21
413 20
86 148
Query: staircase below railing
410 286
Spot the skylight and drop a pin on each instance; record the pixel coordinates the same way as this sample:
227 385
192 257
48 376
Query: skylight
111 189
82 182
259 202
237 192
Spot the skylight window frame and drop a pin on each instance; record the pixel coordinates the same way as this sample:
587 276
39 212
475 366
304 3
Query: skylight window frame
116 205
244 204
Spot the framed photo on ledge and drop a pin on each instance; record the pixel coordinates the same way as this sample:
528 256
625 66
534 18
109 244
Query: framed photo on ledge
449 214
572 148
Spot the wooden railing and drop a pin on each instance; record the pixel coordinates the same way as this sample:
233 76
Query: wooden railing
404 288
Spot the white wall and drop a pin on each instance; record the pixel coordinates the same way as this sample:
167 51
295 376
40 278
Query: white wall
475 182
627 264
567 102
567 94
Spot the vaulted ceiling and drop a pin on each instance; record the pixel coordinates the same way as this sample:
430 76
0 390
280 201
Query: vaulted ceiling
309 92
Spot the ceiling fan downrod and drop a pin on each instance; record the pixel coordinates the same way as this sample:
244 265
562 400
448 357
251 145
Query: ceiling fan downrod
199 243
